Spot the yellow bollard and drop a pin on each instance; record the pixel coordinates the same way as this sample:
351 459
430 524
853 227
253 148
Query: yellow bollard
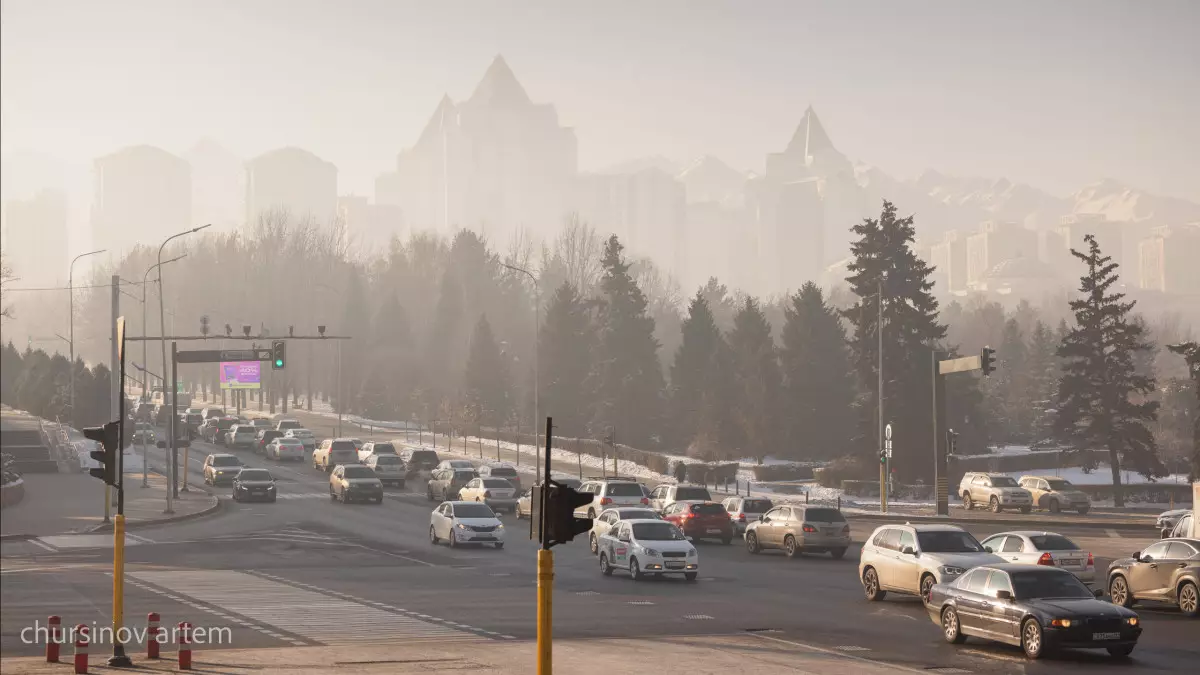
118 616
545 596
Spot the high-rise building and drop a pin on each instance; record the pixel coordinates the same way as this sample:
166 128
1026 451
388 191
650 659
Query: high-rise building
1071 231
996 242
35 238
495 163
949 260
369 226
646 209
218 189
141 195
294 181
1169 259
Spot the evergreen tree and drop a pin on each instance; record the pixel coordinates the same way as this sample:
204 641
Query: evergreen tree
758 382
393 374
1191 354
1007 390
11 366
884 261
695 380
487 391
356 321
628 379
441 346
720 303
1101 400
565 356
1042 365
818 389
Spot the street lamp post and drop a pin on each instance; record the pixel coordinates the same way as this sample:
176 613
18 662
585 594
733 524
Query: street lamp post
71 292
145 281
341 404
162 326
537 331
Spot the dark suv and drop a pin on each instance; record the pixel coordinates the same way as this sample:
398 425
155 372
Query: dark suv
446 483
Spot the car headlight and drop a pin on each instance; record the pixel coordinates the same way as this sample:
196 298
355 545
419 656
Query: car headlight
1132 621
500 526
462 527
950 570
1061 623
652 552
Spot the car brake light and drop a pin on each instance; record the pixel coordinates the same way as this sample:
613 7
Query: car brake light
487 494
605 501
1046 560
809 528
689 514
741 517
645 501
846 529
1091 561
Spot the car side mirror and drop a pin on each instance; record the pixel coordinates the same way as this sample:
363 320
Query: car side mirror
1137 556
989 549
1098 592
1004 595
908 550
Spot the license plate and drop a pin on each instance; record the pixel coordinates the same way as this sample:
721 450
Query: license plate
832 530
1106 636
674 565
1071 563
713 530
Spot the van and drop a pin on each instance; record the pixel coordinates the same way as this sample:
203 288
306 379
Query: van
334 451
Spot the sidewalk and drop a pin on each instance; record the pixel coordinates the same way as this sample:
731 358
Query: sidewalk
67 503
703 655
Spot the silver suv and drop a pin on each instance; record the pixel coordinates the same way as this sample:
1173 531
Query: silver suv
910 559
996 490
1055 494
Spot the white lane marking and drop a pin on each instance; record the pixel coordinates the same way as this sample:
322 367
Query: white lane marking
42 544
1112 533
834 652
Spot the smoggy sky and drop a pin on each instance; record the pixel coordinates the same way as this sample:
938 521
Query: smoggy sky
1056 94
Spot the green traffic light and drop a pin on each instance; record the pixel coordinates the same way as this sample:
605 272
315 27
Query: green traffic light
278 363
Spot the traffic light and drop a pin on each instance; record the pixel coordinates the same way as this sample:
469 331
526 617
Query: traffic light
278 354
883 456
561 523
987 357
951 442
109 438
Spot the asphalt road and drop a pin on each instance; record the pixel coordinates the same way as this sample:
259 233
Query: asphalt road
308 571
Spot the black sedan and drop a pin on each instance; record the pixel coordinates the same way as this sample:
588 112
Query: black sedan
1039 609
254 484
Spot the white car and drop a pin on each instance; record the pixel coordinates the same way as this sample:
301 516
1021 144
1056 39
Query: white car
1029 547
746 510
665 495
285 448
646 547
306 437
609 492
370 449
609 518
497 493
459 523
910 559
455 464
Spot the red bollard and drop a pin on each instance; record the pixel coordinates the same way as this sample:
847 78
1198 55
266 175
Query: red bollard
81 648
152 635
185 645
52 645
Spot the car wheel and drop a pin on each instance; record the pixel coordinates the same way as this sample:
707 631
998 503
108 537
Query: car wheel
1031 639
1054 506
871 585
592 543
332 496
605 568
1118 592
379 500
1189 600
1083 510
1025 509
453 539
994 505
499 544
1121 651
927 583
727 540
635 570
592 514
752 542
789 546
433 538
950 628
690 576
967 503
837 553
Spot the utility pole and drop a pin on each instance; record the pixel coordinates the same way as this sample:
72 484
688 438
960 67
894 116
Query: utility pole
114 403
883 466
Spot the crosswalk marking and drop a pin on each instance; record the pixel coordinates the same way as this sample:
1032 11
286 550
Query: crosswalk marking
314 616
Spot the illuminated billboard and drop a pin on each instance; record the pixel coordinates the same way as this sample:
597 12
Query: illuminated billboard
241 375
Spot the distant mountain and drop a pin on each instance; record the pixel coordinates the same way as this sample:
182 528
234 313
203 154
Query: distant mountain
1121 202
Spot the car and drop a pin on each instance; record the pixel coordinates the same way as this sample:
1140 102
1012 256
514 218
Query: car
380 448
497 493
221 468
215 429
358 443
306 437
701 520
264 438
746 510
524 502
610 518
332 452
456 464
800 528
1055 494
1167 520
444 485
910 559
1040 609
995 490
664 495
192 421
143 434
287 423
212 411
240 436
355 482
501 470
1183 528
419 462
1167 571
261 423
285 448
648 547
607 492
389 468
251 484
458 522
1047 549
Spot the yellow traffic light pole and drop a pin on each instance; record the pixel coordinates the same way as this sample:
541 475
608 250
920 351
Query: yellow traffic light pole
545 576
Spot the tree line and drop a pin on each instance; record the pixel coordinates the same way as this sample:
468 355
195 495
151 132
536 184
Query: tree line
40 383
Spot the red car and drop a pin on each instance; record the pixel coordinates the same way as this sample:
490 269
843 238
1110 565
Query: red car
701 520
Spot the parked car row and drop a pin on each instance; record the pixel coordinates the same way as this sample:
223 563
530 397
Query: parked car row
997 492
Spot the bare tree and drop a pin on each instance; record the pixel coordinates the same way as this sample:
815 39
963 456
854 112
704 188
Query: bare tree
6 277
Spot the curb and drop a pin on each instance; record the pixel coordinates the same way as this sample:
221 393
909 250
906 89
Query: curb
17 537
138 524
1024 524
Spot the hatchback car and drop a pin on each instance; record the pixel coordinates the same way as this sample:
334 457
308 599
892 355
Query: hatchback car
608 493
701 520
1043 548
910 559
389 468
332 452
240 436
1055 494
455 464
497 493
800 529
648 547
663 496
1168 571
501 470
282 449
524 507
354 482
252 484
746 510
456 523
221 469
445 484
287 424
369 449
610 518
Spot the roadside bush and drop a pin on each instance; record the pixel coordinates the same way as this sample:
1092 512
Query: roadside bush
848 467
773 472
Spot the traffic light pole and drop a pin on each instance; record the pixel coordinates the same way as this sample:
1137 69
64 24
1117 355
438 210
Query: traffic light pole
119 659
545 574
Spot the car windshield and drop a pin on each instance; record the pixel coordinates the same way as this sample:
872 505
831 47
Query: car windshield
757 505
824 515
656 532
948 541
226 460
496 483
383 449
1053 542
387 460
359 472
1048 584
623 490
504 472
685 494
638 514
473 511
1003 481
709 509
1060 484
463 476
254 474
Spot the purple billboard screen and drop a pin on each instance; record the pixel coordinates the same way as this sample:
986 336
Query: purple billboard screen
241 375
